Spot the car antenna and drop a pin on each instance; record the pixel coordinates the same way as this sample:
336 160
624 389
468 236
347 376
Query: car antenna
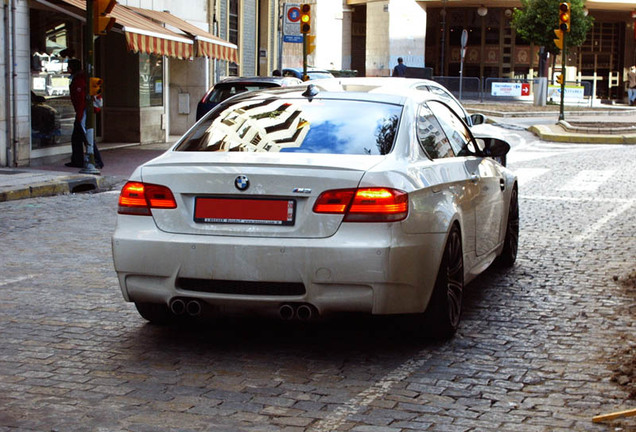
311 91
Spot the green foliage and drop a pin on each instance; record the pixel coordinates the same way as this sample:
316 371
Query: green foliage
536 21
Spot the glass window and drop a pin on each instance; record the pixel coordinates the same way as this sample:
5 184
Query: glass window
150 80
448 98
430 135
298 125
456 131
233 32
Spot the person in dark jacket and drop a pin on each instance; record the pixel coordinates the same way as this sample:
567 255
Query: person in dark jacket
400 69
77 90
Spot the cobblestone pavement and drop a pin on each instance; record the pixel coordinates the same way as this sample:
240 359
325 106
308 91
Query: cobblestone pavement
535 352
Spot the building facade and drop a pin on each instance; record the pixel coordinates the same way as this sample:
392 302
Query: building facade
162 55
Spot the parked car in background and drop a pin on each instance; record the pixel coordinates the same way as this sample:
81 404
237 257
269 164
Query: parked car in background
233 86
304 202
312 73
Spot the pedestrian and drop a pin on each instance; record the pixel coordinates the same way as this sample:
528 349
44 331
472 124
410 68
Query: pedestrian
78 88
631 85
400 69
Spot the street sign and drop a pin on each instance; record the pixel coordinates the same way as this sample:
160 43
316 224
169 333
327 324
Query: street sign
291 23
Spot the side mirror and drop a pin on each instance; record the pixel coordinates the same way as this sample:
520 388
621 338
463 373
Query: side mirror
496 149
478 119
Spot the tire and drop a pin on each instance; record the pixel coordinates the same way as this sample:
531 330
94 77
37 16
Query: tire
443 313
156 313
508 255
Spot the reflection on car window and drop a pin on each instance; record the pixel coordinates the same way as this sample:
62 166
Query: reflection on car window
220 93
430 135
297 125
455 130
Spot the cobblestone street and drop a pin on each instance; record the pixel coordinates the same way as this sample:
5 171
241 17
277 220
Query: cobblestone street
536 350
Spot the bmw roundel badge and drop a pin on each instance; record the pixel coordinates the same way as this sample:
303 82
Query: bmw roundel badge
242 182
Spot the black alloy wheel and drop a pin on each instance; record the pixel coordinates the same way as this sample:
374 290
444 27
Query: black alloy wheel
443 313
511 241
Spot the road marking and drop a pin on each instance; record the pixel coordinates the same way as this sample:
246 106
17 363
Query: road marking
592 229
526 175
14 280
588 180
622 205
376 391
576 199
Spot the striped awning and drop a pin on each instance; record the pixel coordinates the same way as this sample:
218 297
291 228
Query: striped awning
144 35
205 44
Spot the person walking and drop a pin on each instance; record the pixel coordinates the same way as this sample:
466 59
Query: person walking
77 90
631 85
400 69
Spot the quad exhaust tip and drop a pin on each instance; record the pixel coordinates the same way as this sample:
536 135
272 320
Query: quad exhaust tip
302 312
190 307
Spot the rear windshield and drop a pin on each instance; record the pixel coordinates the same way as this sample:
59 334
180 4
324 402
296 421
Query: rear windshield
331 126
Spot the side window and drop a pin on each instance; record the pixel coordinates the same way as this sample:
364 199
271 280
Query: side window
430 135
456 131
449 99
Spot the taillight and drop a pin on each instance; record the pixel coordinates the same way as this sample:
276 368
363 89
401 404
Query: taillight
365 204
138 198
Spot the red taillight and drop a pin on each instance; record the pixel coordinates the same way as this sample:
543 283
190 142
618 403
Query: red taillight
365 205
138 198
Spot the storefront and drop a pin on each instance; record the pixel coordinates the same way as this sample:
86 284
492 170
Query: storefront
144 52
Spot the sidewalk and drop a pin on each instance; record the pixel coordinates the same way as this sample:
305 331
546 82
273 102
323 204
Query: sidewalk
602 126
120 160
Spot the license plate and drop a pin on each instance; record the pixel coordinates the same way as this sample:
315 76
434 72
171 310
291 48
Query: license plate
259 211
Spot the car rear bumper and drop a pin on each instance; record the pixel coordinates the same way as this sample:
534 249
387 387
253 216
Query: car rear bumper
369 268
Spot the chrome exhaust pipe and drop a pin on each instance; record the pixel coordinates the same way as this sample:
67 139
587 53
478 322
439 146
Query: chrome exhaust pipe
286 312
178 307
304 312
193 308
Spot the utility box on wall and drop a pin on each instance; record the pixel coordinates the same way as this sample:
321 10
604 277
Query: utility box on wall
184 103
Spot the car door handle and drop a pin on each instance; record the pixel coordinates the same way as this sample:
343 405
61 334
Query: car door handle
502 184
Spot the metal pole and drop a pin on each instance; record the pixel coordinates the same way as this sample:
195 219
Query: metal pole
563 63
89 48
304 56
443 41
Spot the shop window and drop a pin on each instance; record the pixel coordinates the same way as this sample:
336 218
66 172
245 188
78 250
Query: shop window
150 80
51 109
233 32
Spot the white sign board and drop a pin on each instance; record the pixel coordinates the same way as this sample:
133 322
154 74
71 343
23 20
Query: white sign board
510 89
571 92
291 23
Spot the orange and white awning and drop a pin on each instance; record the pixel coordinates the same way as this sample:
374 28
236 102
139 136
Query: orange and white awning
142 34
205 44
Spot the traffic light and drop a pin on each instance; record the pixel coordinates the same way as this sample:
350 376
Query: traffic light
101 21
559 41
305 18
560 79
95 86
564 16
311 43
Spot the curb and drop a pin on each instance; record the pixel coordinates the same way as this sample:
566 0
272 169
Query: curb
59 186
548 133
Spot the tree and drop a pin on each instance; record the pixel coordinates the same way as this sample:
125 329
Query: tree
536 21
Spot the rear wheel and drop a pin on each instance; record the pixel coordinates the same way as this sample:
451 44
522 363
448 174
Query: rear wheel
443 313
156 313
511 241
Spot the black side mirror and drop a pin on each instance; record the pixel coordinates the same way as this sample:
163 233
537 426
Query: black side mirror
477 119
